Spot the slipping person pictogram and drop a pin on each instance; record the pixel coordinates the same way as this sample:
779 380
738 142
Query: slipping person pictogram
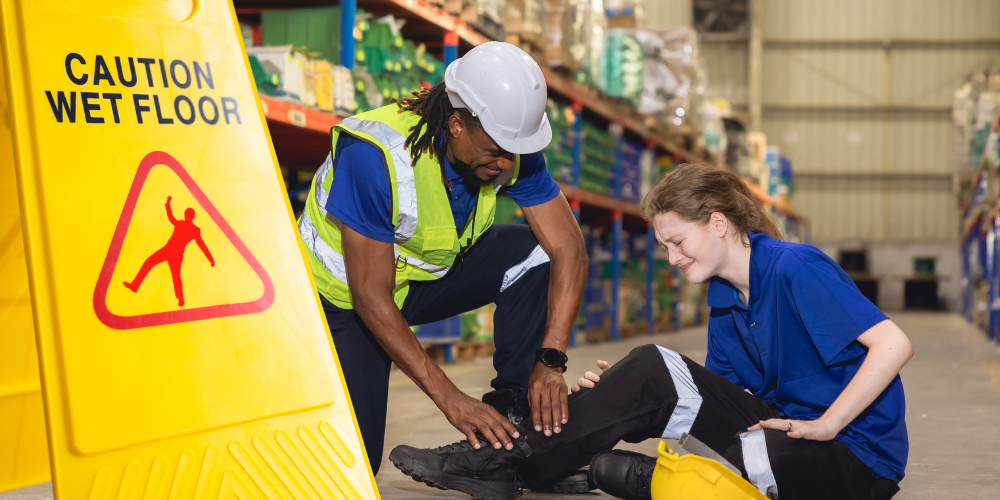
173 252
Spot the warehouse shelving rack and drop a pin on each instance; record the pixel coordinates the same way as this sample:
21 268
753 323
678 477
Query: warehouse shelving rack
981 225
301 134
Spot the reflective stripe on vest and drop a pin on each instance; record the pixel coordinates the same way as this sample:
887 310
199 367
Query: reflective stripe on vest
319 178
334 262
406 186
331 260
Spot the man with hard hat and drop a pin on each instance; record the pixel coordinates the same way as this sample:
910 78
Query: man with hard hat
399 227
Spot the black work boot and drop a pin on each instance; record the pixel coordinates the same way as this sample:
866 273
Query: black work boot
623 474
575 483
517 411
508 405
484 473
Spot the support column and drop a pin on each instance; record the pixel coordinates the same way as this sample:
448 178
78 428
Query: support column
450 52
755 63
616 269
347 14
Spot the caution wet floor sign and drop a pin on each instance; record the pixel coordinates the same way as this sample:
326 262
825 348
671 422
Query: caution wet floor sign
180 340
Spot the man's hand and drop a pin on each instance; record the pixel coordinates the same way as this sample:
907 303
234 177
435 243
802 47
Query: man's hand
547 398
469 415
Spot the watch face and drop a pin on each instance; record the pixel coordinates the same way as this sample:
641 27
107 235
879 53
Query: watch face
552 358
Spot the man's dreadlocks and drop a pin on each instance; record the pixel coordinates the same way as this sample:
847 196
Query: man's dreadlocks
430 134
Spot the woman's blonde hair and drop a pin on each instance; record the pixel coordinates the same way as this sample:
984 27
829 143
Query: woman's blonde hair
694 192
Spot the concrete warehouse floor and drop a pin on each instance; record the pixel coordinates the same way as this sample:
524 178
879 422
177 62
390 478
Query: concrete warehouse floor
953 409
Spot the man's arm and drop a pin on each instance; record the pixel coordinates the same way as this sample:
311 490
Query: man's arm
371 278
170 213
557 231
204 248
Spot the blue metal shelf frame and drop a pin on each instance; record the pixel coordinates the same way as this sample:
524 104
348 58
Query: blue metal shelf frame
347 14
616 270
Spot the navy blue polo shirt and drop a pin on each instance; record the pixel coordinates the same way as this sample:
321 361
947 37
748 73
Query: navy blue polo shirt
360 195
795 345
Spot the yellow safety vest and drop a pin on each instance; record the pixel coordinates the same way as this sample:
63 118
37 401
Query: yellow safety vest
426 239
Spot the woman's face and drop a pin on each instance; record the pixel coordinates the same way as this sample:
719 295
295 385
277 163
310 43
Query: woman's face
698 250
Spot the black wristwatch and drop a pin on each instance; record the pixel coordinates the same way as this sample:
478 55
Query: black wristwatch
552 358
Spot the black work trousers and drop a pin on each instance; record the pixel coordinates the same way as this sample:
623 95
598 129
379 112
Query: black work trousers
505 266
637 399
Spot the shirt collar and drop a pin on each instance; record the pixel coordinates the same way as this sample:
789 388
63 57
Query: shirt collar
762 252
453 176
723 294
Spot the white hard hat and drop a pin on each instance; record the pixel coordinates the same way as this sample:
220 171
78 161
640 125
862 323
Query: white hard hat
503 86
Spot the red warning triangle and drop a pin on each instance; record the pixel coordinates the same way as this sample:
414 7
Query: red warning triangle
118 322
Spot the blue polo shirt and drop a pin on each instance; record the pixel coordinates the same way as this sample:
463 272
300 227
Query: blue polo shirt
795 345
360 195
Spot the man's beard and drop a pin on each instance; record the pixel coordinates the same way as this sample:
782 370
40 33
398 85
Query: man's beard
468 173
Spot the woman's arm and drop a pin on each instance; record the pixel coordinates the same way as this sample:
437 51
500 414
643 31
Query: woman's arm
888 351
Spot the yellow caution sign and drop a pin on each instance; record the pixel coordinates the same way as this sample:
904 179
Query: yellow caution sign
24 458
182 349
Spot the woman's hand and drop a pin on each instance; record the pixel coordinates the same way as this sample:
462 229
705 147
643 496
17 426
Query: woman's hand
590 378
815 430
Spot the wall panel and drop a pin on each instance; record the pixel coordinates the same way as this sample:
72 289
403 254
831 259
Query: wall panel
726 70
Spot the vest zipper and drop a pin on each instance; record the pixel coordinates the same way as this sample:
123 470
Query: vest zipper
468 241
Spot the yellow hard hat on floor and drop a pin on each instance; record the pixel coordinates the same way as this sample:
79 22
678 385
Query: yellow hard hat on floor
691 476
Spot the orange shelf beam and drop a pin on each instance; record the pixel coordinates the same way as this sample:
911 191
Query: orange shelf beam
443 20
298 114
599 200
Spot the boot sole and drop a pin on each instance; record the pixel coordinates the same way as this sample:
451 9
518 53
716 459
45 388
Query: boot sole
487 490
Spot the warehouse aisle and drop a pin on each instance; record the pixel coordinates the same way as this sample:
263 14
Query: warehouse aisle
952 388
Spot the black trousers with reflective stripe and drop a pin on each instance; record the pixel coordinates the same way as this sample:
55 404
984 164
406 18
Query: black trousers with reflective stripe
635 399
474 281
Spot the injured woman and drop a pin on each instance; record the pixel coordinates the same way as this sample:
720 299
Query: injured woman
800 388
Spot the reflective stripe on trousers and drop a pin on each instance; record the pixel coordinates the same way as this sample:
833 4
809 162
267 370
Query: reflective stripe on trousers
757 463
536 258
688 398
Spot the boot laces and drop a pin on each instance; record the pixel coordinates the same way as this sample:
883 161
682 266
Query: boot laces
460 446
